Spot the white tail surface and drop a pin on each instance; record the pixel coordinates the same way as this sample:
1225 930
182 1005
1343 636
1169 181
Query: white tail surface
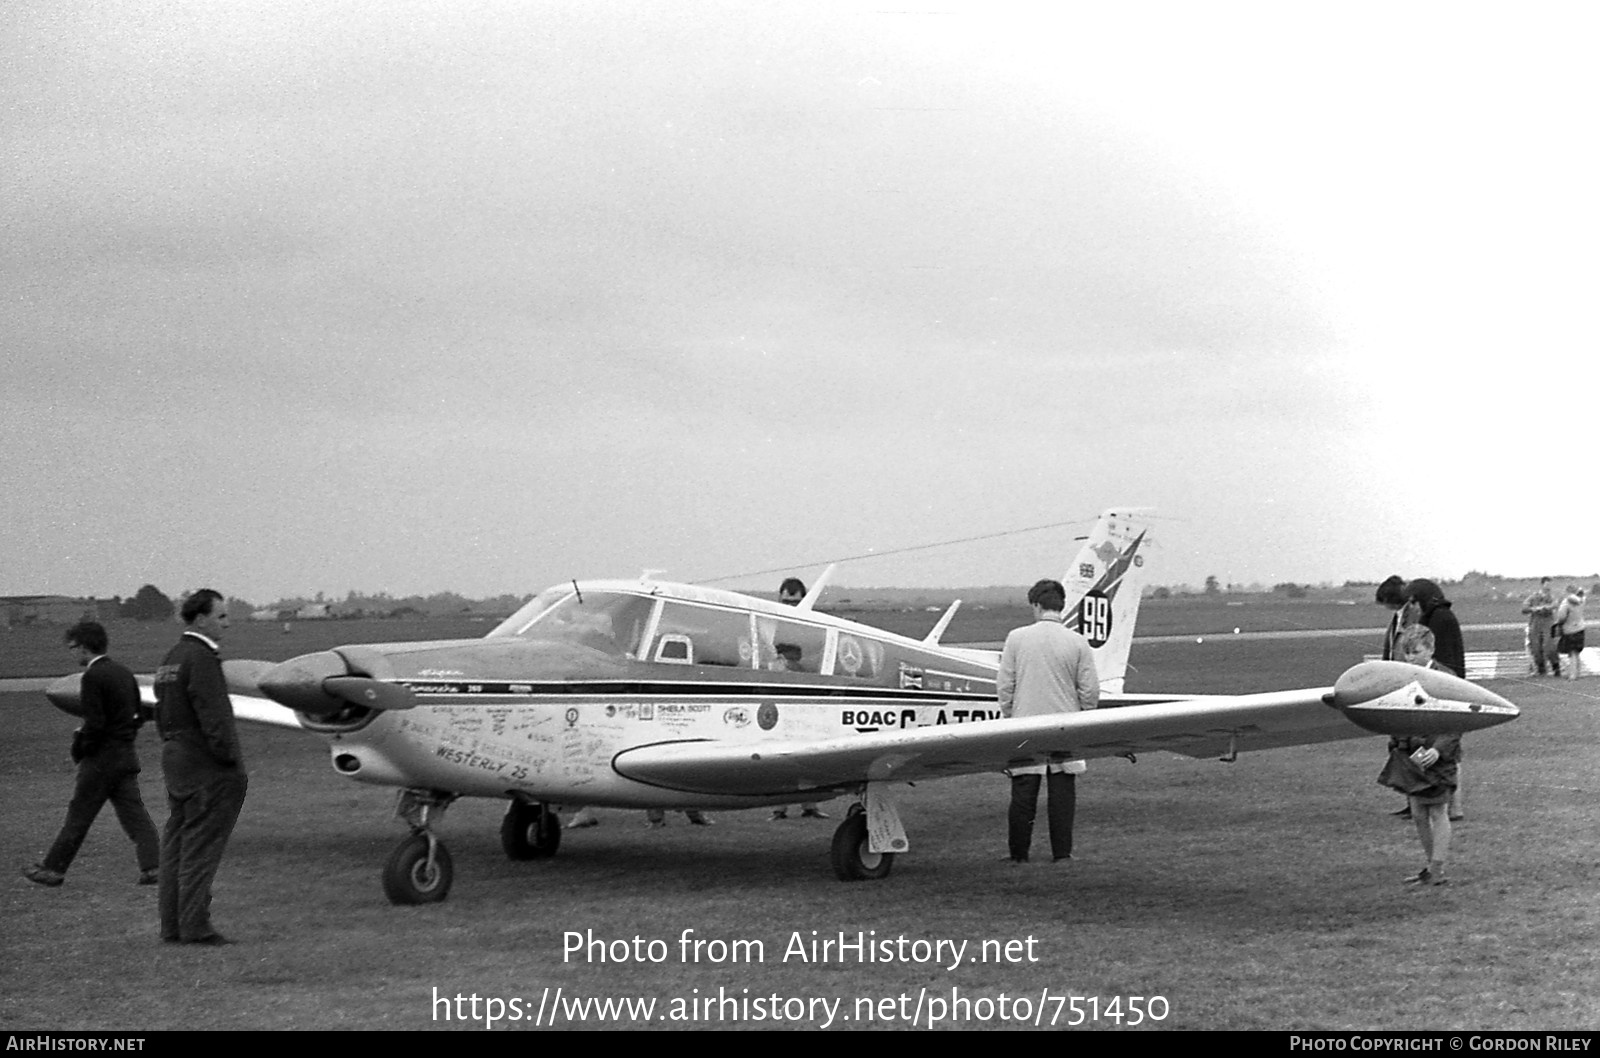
1103 585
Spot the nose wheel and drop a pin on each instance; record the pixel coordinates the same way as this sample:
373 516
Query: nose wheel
419 870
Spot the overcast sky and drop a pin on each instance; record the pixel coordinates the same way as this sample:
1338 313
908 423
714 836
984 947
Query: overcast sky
408 297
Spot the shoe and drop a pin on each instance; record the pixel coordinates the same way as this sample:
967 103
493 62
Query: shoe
654 824
1457 819
150 876
702 821
43 875
1062 859
1404 813
779 814
1440 881
1014 860
813 813
1422 877
211 940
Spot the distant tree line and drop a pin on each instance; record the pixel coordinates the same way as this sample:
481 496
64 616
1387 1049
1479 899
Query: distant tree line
149 603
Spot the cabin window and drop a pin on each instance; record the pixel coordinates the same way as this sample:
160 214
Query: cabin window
858 657
715 637
789 646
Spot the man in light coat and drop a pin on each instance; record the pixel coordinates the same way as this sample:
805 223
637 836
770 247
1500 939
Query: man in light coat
1045 668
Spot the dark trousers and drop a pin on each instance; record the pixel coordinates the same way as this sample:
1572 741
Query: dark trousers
111 774
1063 788
1542 645
202 819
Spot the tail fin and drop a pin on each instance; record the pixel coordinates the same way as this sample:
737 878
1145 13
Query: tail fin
1103 588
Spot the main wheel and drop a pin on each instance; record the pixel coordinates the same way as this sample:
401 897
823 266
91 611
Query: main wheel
852 860
408 877
530 832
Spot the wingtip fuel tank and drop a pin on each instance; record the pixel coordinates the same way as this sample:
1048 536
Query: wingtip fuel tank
1394 698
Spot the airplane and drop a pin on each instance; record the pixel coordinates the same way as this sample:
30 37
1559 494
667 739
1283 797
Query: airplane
650 694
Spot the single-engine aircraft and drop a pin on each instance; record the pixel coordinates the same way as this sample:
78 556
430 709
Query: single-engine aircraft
648 694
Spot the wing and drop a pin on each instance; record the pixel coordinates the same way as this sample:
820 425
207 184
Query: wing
65 694
248 707
1195 728
1383 696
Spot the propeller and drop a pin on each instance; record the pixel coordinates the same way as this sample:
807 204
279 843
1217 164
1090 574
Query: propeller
323 683
374 694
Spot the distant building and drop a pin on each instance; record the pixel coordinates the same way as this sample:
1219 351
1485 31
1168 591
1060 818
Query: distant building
46 609
315 611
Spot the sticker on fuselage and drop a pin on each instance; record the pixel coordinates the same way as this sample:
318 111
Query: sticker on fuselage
850 655
868 720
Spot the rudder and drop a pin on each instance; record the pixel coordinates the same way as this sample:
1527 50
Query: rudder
1104 585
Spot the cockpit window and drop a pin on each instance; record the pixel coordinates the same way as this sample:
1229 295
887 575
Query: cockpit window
701 635
530 611
613 622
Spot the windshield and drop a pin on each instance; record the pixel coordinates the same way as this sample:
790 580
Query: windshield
610 621
529 611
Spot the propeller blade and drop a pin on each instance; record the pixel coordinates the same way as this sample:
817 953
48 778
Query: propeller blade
244 675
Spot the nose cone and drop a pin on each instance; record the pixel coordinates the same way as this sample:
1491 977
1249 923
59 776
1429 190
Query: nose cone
1393 698
297 683
66 694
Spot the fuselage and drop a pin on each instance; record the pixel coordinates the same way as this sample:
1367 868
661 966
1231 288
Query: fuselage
543 703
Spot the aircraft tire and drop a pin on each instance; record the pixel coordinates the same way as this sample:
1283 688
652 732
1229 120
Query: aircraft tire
852 860
530 832
407 878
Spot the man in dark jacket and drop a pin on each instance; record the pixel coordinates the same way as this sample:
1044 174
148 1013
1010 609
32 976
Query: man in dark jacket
204 770
1392 595
108 764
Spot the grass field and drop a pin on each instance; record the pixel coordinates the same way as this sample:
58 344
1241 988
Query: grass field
1261 894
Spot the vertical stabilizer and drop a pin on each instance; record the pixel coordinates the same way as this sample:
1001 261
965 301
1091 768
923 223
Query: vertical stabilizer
1103 586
